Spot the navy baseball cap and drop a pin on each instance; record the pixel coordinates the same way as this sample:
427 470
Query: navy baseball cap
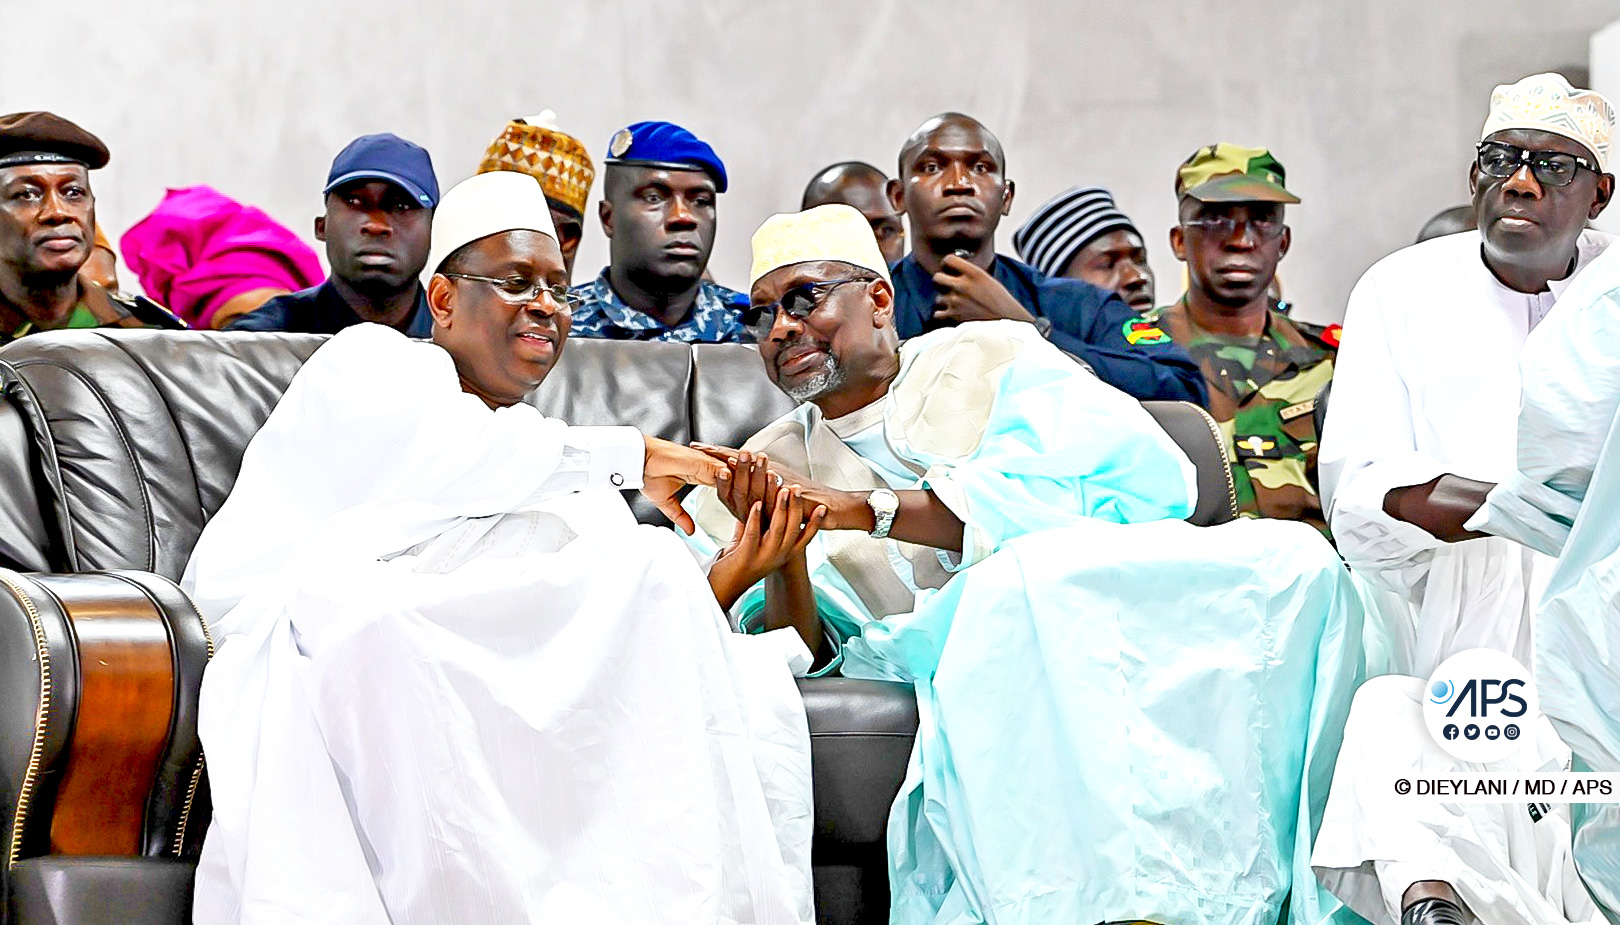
390 158
666 145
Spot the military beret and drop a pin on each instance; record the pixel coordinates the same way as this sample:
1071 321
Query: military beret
666 145
46 138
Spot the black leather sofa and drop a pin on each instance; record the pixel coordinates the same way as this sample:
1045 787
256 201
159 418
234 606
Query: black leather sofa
116 447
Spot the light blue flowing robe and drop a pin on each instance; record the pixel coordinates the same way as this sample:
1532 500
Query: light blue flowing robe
1122 716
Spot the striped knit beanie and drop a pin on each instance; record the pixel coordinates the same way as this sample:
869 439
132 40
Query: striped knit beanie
1066 223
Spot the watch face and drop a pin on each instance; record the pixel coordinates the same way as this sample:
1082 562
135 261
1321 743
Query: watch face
883 500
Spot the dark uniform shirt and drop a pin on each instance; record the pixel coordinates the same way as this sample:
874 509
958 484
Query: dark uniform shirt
1091 323
1262 392
320 310
101 308
715 318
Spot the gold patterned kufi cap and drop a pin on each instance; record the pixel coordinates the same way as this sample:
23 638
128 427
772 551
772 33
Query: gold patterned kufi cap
830 232
1547 103
535 146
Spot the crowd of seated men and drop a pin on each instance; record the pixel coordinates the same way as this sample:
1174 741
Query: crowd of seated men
968 472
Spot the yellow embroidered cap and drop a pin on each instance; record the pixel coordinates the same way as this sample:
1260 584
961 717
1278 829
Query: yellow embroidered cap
830 232
1547 103
535 146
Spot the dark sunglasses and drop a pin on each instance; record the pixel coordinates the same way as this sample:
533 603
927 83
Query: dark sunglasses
798 302
1223 227
1550 168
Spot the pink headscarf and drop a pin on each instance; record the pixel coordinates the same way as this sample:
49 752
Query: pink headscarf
199 249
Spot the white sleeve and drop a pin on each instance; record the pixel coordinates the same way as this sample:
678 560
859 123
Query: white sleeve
1571 374
1527 512
1369 447
447 449
597 457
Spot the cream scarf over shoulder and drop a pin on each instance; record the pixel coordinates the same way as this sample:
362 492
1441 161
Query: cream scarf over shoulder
939 406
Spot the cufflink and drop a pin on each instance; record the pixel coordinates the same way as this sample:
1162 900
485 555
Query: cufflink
616 479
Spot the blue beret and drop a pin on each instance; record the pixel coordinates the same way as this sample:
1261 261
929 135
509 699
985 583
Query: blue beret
665 144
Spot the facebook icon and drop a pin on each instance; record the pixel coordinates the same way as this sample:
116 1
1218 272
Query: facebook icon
1450 731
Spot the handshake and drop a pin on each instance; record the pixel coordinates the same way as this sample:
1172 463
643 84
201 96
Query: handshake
778 511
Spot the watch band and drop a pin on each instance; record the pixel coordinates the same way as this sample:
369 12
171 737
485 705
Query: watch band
884 504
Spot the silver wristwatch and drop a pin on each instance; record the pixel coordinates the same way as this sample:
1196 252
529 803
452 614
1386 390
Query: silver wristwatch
884 503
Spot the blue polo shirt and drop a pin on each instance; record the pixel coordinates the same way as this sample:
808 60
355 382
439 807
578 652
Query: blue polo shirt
1091 323
320 310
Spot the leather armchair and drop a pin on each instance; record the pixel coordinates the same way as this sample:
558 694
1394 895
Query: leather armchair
115 449
105 800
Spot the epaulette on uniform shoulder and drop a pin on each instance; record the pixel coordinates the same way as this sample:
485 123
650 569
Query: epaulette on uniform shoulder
148 311
1326 335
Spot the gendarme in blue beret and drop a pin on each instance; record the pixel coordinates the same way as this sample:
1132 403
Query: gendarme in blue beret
666 145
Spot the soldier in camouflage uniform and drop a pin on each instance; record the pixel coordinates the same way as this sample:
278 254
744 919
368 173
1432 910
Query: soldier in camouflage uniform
47 233
1263 369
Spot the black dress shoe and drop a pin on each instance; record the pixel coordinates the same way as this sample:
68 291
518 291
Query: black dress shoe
1434 911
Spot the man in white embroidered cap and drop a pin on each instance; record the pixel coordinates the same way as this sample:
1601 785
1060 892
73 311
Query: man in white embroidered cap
455 681
1003 530
1420 426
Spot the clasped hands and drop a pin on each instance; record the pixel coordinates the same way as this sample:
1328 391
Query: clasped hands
741 479
778 512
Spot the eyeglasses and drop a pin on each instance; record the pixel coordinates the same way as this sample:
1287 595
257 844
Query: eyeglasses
1225 226
799 302
515 290
1550 168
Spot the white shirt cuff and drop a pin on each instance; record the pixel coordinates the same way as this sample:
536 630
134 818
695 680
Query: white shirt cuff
615 455
1371 537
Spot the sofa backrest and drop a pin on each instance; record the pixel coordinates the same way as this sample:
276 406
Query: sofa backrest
116 446
137 435
133 438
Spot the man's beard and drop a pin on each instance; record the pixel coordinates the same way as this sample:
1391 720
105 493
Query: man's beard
826 379
47 280
663 286
378 288
957 242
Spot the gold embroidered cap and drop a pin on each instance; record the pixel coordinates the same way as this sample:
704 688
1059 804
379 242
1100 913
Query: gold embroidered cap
1547 103
535 146
830 232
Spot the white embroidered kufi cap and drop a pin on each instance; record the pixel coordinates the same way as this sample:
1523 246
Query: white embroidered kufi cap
1547 103
830 232
486 204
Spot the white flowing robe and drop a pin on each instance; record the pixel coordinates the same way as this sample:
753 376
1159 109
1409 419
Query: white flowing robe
1427 383
1565 501
457 682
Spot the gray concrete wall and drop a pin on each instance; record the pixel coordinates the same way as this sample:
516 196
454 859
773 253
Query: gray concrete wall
1605 62
1371 104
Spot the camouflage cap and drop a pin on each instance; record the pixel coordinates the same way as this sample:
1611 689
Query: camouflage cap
1232 173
